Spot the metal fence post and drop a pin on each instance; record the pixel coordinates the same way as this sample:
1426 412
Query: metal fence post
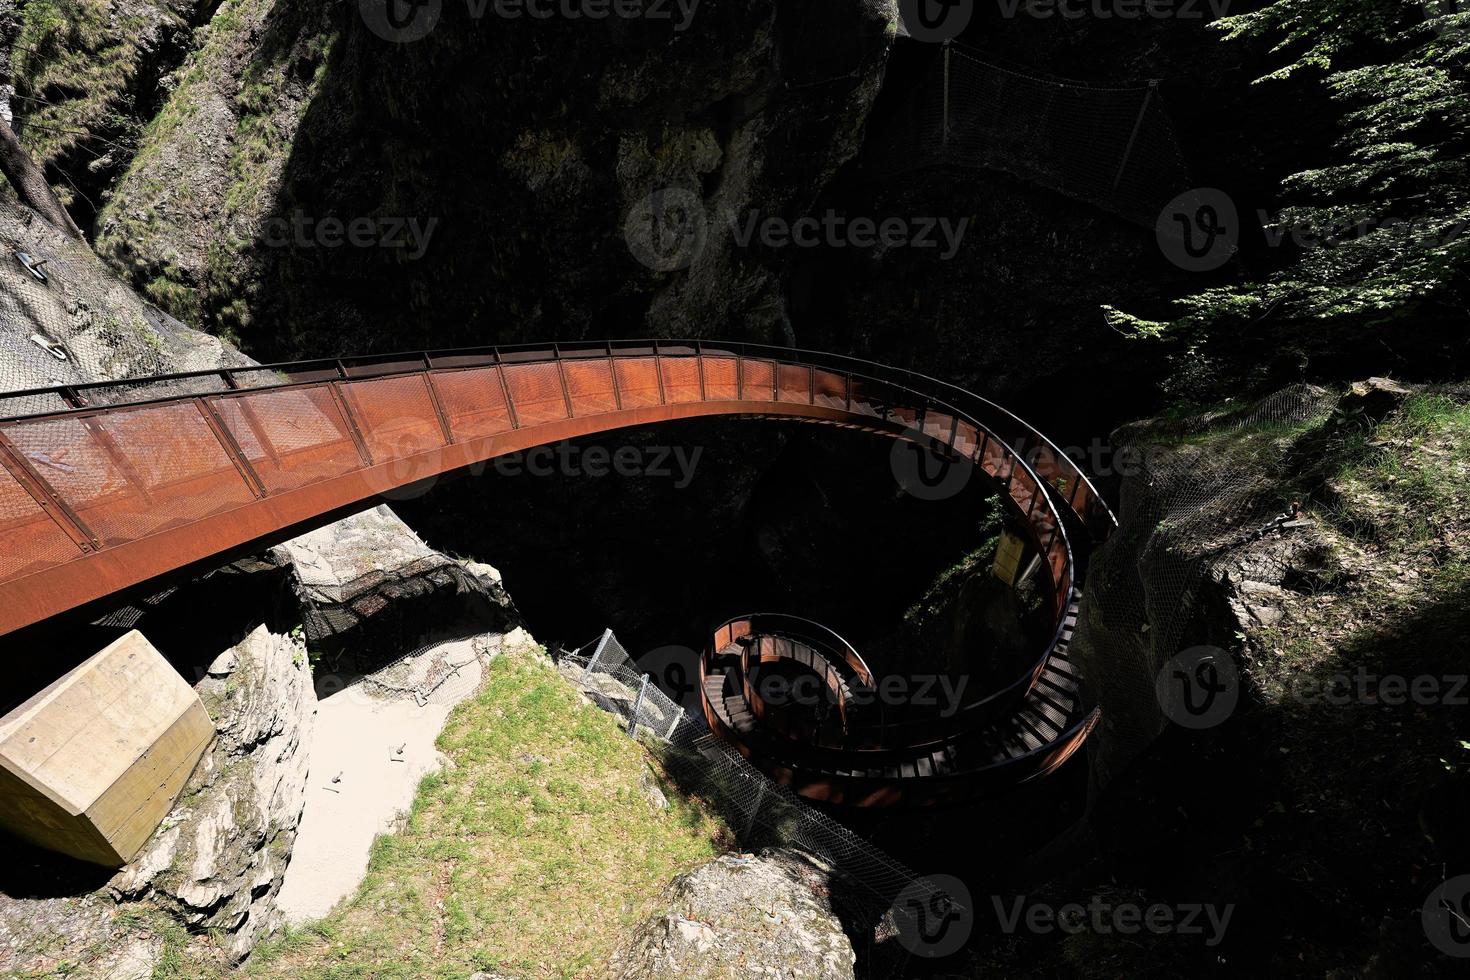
601 645
637 706
760 797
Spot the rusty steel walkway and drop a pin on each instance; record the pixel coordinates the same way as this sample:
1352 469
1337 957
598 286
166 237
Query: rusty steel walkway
111 488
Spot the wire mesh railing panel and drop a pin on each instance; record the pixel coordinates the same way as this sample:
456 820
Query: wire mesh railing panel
721 379
396 416
474 402
794 384
134 473
591 387
638 381
830 389
681 379
290 438
29 538
758 379
537 393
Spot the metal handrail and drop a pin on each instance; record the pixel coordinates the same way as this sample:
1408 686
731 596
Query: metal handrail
71 394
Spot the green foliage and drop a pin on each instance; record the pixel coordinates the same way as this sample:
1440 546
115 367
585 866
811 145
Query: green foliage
76 67
1391 207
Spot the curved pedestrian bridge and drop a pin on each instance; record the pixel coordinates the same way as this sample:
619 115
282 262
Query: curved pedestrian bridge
114 488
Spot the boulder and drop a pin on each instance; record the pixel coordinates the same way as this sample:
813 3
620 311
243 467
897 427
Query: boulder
739 916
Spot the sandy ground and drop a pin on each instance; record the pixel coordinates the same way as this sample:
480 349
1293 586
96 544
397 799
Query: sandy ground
378 745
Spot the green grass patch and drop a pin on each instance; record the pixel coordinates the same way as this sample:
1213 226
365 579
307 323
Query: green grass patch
537 853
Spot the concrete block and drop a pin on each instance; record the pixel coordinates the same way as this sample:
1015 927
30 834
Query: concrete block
91 765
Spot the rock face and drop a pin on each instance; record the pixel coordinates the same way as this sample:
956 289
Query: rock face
522 175
219 858
87 76
741 916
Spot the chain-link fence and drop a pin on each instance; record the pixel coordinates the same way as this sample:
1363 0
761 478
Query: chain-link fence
763 812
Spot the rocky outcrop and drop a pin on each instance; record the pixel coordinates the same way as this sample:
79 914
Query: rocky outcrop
86 76
219 858
741 916
349 572
522 175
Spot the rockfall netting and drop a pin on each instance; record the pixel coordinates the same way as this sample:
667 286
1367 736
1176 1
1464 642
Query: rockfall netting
1110 146
66 319
1201 501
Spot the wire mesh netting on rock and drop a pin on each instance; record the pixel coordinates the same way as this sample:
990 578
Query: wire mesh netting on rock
1208 499
66 319
1111 147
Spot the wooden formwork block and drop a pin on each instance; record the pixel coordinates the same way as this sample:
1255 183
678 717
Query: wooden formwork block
92 764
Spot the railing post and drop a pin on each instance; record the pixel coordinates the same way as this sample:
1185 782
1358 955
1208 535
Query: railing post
340 397
436 401
612 367
699 363
1153 84
510 405
637 707
561 372
232 448
760 798
46 497
948 54
658 370
596 654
